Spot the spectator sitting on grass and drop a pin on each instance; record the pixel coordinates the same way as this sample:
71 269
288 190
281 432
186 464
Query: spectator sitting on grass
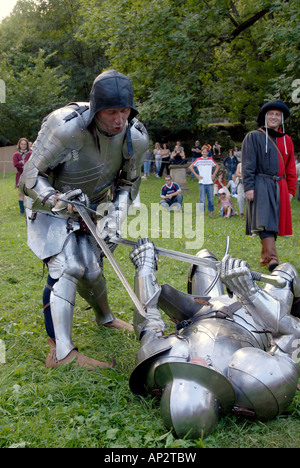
232 185
225 205
170 194
220 182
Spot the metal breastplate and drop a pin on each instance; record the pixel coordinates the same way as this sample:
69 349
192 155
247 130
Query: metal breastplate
91 169
72 158
216 340
67 156
213 339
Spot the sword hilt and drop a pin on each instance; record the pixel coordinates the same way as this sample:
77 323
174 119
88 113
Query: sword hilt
274 280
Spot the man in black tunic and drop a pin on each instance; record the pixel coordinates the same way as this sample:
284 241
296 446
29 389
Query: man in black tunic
269 178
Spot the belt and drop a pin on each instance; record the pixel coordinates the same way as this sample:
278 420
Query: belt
274 177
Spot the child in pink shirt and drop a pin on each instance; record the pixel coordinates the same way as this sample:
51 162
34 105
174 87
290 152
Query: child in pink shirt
225 205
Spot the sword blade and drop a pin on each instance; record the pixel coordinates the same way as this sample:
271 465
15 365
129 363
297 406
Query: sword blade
104 247
184 257
194 260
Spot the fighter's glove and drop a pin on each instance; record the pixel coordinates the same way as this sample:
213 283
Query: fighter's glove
236 275
109 226
63 201
144 256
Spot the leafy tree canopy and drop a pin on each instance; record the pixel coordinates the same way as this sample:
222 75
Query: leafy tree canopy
198 61
30 95
192 62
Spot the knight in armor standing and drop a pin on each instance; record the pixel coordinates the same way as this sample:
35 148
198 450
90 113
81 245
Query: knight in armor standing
231 353
84 152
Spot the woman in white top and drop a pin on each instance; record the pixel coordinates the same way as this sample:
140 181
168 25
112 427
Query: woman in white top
157 153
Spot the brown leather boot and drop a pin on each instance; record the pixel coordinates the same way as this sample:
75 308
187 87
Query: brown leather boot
270 254
119 324
80 360
263 257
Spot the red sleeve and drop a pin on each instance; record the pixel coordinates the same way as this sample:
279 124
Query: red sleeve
17 162
290 167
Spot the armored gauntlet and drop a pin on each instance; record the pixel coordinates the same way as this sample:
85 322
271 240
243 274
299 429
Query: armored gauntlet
235 274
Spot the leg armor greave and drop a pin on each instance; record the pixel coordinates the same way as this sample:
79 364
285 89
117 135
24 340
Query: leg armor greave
94 292
66 268
62 301
46 307
146 287
92 284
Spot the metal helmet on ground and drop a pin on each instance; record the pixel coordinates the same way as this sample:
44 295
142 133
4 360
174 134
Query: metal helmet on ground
193 397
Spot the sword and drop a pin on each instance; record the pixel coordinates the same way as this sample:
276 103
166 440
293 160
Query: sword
184 257
105 249
194 260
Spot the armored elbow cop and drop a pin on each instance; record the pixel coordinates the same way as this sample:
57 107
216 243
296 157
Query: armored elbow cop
41 193
268 387
289 297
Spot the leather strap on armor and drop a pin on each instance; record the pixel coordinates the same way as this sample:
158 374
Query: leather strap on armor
78 110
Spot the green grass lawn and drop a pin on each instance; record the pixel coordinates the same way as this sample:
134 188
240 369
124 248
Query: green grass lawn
69 407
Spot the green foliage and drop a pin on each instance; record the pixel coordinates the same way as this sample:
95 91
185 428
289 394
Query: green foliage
52 25
43 64
197 62
74 408
31 94
191 62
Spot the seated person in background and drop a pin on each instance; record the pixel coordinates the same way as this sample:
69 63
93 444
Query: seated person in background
178 155
232 186
219 183
170 194
225 205
217 149
237 152
209 148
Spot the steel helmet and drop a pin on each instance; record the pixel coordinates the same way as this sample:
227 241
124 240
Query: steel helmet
193 397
